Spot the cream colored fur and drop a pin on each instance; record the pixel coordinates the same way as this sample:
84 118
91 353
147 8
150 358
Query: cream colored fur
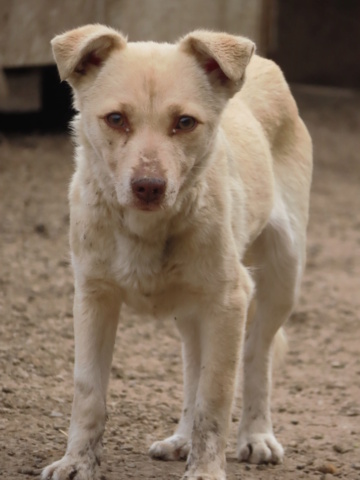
229 228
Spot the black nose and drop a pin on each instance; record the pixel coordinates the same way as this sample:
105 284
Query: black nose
148 190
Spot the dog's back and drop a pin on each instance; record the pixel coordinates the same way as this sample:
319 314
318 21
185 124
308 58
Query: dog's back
268 96
263 125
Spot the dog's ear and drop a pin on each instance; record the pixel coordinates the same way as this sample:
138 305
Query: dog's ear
223 57
81 51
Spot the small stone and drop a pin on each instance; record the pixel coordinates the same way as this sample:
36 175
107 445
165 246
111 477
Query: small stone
7 390
337 364
41 229
338 448
127 448
327 468
55 414
353 413
29 471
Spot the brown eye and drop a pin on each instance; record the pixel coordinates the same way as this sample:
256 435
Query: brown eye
186 123
116 120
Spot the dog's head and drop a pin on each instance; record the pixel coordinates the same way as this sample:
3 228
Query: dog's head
150 111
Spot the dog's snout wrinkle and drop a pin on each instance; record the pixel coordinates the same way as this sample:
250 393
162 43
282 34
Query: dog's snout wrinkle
149 190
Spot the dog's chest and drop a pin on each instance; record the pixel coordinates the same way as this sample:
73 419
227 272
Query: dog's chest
147 274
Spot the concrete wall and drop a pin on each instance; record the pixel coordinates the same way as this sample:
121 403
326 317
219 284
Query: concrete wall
164 20
27 26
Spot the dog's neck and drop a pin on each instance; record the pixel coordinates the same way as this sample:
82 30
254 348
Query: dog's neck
150 227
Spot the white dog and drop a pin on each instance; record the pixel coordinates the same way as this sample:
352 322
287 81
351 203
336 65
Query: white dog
190 199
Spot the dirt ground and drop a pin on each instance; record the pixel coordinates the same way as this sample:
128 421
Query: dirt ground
316 393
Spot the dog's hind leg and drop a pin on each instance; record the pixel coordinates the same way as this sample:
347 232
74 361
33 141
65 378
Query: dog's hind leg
278 256
177 446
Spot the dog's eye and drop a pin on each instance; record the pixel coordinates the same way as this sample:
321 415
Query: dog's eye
116 120
186 123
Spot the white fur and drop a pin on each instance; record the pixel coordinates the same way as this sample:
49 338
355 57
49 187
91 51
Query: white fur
236 201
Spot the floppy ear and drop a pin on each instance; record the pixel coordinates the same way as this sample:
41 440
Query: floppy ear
223 57
79 52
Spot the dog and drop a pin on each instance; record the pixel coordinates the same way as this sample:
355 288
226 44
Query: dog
190 200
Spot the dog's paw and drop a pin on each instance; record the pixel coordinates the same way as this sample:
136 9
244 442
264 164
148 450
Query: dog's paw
175 447
204 476
260 448
69 468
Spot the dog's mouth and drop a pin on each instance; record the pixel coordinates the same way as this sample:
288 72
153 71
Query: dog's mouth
147 206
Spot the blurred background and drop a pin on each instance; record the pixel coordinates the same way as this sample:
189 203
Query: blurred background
315 42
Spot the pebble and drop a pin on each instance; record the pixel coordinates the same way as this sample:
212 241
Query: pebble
338 448
29 471
337 364
353 412
56 414
127 448
41 229
327 468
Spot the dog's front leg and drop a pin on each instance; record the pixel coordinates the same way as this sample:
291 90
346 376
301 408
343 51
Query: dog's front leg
96 311
221 331
177 446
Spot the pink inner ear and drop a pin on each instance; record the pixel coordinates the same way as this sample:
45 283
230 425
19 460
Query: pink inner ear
93 59
90 59
211 65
